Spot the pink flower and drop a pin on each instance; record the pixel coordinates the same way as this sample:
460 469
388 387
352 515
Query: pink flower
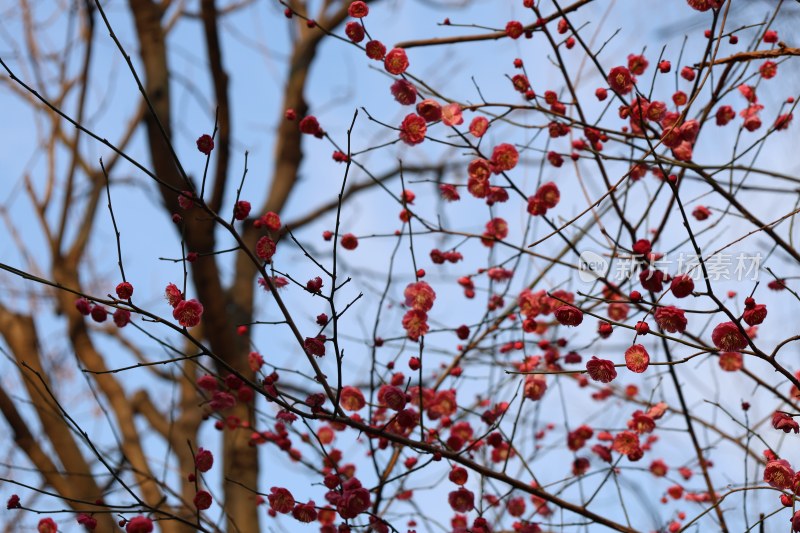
681 286
568 315
220 401
186 200
478 183
602 452
783 121
626 442
637 359
352 399
202 500
353 502
577 439
358 9
749 92
601 370
188 313
265 248
671 319
430 110
315 345
83 306
415 322
270 220
139 524
785 423
731 361
354 31
124 290
724 115
281 500
755 315
652 280
461 500
13 502
535 387
637 64
514 29
768 70
314 285
392 397
207 382
548 194
521 83
241 210
376 50
641 423
778 474
404 92
478 126
620 79
413 129
122 317
705 5
504 157
173 295
87 521
47 525
688 73
451 115
205 144
449 192
727 337
396 61
255 360
309 125
419 296
349 241
99 313
305 512
203 460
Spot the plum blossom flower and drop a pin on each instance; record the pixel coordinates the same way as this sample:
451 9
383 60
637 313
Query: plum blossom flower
413 129
601 370
396 61
203 460
727 337
451 115
415 322
568 315
785 423
671 319
620 79
188 313
281 500
778 474
352 399
535 387
419 296
139 524
461 500
205 143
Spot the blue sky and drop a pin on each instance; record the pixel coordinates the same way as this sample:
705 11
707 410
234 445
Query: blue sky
255 44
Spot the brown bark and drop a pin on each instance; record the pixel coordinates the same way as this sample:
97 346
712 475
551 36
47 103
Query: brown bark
71 477
240 461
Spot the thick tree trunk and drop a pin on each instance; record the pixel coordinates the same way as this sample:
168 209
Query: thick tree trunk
240 461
